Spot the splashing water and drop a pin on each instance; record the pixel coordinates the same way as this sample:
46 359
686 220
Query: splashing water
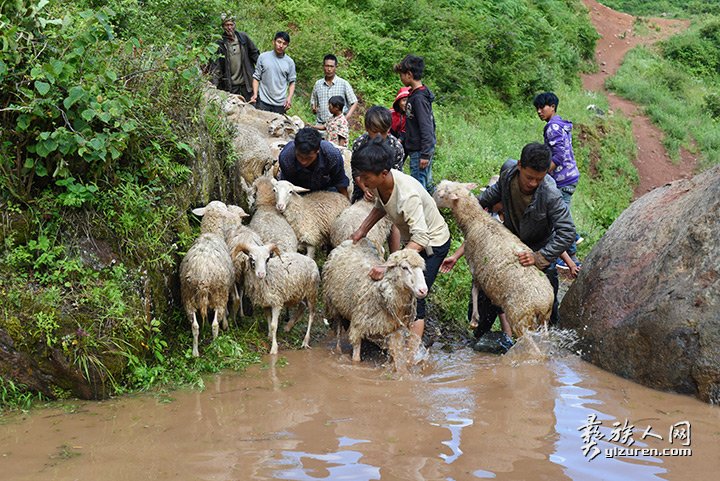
540 345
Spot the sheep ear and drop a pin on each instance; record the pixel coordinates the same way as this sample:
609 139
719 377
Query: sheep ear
200 211
470 186
273 180
300 190
274 250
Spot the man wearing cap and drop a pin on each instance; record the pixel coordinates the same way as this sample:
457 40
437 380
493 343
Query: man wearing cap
330 86
237 55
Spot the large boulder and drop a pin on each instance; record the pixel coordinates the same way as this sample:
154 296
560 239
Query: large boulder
647 302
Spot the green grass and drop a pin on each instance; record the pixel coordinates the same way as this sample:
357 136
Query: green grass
673 99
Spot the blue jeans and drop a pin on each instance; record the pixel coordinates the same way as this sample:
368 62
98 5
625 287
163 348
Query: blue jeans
567 193
424 176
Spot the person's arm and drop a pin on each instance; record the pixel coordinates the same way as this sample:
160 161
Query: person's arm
255 87
424 114
314 101
351 100
490 196
291 92
414 216
373 218
336 166
574 269
351 111
563 233
449 262
253 51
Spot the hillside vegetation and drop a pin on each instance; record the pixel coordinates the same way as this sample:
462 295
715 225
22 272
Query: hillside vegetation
677 82
104 138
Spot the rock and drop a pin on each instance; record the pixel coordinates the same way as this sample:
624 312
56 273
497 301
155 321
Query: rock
647 302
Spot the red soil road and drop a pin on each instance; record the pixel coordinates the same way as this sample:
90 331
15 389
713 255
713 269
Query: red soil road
653 163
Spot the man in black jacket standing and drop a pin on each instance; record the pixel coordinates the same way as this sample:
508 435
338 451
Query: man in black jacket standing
234 68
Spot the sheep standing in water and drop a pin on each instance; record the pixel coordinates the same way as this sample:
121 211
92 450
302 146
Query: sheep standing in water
524 293
375 309
206 272
274 280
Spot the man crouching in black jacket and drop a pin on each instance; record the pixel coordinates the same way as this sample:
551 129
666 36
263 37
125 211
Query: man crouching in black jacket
535 212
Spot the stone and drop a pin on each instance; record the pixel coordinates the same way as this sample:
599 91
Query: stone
646 304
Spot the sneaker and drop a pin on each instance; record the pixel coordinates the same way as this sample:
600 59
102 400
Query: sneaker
560 264
579 239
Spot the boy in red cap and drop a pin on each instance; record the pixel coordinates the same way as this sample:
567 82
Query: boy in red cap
398 115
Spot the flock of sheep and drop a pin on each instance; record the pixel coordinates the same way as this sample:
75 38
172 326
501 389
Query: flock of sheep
260 260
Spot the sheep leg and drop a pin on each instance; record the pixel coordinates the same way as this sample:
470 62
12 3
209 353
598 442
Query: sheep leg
196 334
268 315
356 351
215 325
296 312
475 316
273 328
306 341
338 327
240 302
234 305
311 252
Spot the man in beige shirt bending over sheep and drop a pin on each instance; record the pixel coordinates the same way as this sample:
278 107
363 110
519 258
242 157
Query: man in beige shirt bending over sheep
408 205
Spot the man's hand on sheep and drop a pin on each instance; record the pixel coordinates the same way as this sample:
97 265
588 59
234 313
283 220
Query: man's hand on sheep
377 272
369 196
356 236
526 258
447 264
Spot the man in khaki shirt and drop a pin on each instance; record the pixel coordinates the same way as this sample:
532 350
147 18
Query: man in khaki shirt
408 205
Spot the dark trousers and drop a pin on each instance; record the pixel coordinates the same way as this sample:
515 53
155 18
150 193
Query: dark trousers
432 266
241 90
488 311
278 109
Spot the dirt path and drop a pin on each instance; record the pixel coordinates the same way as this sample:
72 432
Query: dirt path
616 29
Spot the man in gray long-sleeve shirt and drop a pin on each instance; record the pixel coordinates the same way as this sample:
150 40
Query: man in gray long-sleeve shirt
536 213
274 78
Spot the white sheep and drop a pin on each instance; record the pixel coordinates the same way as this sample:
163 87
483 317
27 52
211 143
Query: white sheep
274 280
206 272
310 215
524 293
235 234
349 221
374 308
267 221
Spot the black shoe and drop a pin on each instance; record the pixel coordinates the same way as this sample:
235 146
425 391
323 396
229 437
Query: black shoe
493 343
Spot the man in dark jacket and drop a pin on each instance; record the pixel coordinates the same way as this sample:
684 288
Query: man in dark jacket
536 213
233 69
420 122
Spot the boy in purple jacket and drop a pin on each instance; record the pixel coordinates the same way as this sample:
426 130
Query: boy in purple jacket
563 168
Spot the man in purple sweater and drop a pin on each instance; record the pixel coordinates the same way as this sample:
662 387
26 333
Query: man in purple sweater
563 168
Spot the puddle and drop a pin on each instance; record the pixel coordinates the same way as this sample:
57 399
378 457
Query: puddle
465 416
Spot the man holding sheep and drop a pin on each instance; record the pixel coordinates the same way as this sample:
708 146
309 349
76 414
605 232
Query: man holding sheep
535 212
313 163
409 206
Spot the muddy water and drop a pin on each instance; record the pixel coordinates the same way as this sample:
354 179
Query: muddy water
467 416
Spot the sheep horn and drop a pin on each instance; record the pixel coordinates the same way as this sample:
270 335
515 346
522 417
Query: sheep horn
238 248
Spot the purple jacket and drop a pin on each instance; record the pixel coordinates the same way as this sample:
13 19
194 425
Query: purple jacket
558 136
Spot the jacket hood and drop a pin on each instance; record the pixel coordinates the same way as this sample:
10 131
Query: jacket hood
566 125
402 93
424 91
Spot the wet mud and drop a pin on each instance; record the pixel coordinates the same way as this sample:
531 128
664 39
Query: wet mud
314 415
